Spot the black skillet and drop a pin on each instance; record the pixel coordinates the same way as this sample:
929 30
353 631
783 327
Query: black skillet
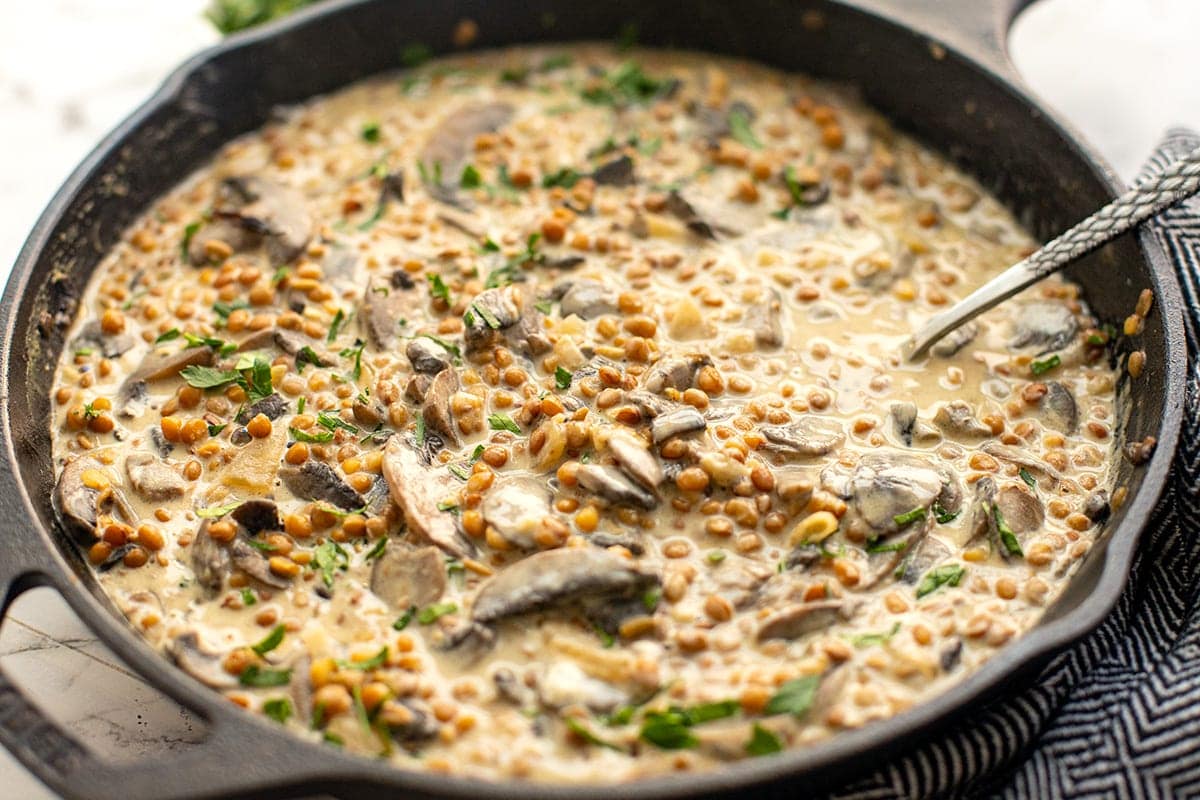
938 68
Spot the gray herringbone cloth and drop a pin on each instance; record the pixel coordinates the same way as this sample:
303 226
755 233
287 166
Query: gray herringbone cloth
1118 715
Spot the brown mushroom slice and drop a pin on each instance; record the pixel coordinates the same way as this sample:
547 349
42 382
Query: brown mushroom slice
384 304
516 508
153 479
957 418
273 406
1096 507
257 515
1057 409
84 491
159 364
799 619
675 372
909 427
765 319
1021 510
210 561
427 356
251 561
556 577
110 345
453 140
1043 327
884 489
316 480
404 577
285 341
436 406
267 213
586 298
635 459
807 437
929 552
983 521
418 489
617 172
208 668
891 559
505 315
679 422
1022 459
612 485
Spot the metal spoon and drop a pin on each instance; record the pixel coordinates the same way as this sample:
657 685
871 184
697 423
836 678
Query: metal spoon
1180 181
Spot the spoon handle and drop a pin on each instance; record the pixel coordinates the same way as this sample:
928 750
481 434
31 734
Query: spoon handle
1151 196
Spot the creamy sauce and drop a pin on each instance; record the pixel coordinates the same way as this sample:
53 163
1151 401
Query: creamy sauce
573 381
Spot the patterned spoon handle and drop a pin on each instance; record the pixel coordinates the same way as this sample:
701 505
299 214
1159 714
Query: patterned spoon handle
1180 181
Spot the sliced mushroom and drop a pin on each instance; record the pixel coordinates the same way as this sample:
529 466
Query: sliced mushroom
586 298
892 559
909 427
283 340
630 543
516 508
808 436
257 515
427 356
613 486
983 521
1021 510
765 319
210 561
618 172
675 372
635 459
418 489
316 480
565 684
152 479
436 407
1096 507
955 340
681 421
508 315
1043 327
259 211
453 139
957 418
273 406
78 504
110 345
684 211
208 668
930 551
251 561
159 364
799 619
1057 409
384 305
887 486
420 724
555 577
1018 457
404 577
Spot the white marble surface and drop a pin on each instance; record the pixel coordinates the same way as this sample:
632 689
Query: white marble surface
1120 70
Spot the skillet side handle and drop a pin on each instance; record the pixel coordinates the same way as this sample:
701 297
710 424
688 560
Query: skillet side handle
978 28
240 758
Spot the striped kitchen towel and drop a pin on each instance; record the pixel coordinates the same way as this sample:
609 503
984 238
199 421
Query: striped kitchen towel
1118 715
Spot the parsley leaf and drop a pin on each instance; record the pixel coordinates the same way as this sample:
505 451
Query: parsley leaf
320 437
355 352
583 732
470 178
414 54
564 177
503 422
376 551
208 377
305 357
868 639
794 697
762 742
438 288
942 515
404 619
335 326
259 677
1027 476
916 515
185 244
327 558
217 511
1045 365
668 730
562 378
739 129
278 709
431 614
945 575
1008 537
374 662
273 640
332 422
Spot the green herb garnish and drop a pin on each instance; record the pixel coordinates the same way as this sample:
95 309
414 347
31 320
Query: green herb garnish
355 352
562 378
503 422
1007 537
414 54
1045 365
259 677
470 178
376 551
624 85
374 662
217 511
278 709
370 132
564 177
248 598
404 619
273 640
320 437
739 129
762 742
579 729
945 575
431 614
916 515
306 356
332 422
868 639
335 326
1027 476
328 557
794 697
942 515
438 288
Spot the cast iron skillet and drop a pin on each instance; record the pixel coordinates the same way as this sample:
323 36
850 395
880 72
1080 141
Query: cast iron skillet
938 68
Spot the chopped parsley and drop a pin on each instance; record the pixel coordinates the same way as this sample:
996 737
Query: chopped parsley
739 129
278 709
942 515
419 434
376 551
446 505
404 619
335 326
431 614
273 640
248 598
893 547
355 352
1007 537
208 377
794 697
329 557
305 357
486 315
544 306
583 732
868 639
166 336
470 178
562 378
185 244
625 85
650 599
459 471
564 177
258 677
414 54
217 511
370 132
449 347
715 556
607 640
438 288
320 437
280 275
503 422
332 422
945 575
374 662
1027 476
908 517
762 742
1045 365
223 310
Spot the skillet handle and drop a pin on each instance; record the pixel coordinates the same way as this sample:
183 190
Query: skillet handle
240 757
978 28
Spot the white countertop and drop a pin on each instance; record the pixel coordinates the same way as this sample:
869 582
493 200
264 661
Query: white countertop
1121 71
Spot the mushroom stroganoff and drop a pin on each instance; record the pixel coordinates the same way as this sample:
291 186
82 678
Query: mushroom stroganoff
540 414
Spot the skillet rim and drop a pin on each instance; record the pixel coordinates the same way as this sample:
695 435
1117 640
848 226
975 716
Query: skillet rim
1030 648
